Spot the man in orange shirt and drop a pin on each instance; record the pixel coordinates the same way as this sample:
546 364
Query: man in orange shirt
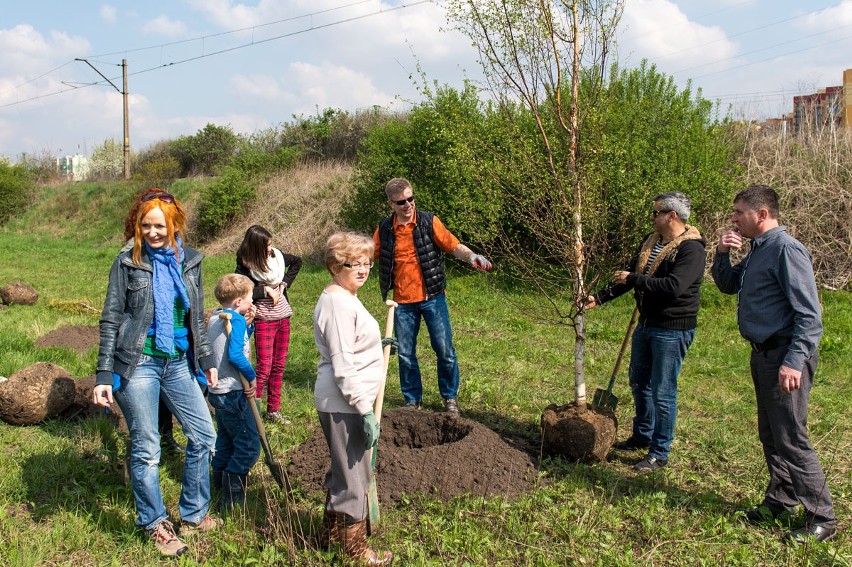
409 246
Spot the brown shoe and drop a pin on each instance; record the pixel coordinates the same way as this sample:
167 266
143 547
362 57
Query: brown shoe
164 538
207 524
354 540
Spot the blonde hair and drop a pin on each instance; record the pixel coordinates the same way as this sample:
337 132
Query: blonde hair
396 186
231 287
175 216
344 246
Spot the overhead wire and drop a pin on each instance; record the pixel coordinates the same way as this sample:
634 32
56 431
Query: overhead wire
221 51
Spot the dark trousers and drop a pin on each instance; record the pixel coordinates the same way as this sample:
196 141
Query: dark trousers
795 475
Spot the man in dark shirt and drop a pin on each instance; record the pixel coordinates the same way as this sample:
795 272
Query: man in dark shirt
779 314
666 279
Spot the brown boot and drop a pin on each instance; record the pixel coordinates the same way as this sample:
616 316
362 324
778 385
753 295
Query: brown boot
354 540
332 526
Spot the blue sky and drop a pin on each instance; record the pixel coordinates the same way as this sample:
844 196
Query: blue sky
291 57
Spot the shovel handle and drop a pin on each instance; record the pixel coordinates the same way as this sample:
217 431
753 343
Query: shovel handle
630 327
380 397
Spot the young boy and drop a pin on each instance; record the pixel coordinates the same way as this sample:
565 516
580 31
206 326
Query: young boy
237 442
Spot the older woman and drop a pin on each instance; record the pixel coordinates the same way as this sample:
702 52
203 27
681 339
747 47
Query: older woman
349 375
153 313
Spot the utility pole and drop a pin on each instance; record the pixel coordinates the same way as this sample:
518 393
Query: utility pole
126 120
124 94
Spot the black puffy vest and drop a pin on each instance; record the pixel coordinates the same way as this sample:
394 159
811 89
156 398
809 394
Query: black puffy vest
428 255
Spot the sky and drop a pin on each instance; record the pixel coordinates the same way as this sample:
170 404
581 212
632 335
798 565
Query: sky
257 64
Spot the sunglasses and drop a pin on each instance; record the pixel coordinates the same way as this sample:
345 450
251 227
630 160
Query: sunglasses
655 213
401 202
164 197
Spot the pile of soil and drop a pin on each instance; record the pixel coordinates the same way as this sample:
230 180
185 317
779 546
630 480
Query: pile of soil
435 454
77 337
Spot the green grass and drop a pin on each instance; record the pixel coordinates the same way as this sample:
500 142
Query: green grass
62 500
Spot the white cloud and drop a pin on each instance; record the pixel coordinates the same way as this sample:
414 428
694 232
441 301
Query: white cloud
659 31
25 49
830 18
307 87
109 13
163 25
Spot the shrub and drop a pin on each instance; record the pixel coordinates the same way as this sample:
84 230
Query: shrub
158 172
207 152
15 189
40 167
107 160
223 200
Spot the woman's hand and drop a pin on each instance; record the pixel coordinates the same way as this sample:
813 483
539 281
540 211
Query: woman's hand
272 293
371 430
102 395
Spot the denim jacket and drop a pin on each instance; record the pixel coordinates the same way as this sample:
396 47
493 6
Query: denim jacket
129 310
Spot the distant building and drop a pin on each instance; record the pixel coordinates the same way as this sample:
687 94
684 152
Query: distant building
830 107
73 168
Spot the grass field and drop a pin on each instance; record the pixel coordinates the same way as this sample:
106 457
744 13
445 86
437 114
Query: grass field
63 502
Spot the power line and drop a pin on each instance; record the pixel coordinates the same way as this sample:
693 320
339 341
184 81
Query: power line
229 49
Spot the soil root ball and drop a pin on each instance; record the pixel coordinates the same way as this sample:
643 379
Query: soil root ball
36 393
579 434
18 293
82 405
433 454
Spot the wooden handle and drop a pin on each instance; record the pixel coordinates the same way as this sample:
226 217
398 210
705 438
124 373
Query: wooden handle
380 397
626 340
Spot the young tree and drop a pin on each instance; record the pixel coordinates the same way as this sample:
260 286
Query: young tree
549 57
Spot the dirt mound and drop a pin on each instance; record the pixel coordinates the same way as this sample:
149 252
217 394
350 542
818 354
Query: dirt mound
429 453
76 337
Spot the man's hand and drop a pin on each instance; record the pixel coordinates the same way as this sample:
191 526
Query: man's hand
620 277
371 430
212 377
590 303
731 239
102 395
789 379
479 262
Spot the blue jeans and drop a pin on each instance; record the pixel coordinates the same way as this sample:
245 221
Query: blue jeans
407 321
655 361
139 399
238 442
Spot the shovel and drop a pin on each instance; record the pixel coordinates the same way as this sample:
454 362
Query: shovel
278 472
374 515
604 398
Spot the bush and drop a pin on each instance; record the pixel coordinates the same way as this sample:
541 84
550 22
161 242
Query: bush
331 135
15 189
158 172
436 148
207 152
40 167
222 201
107 160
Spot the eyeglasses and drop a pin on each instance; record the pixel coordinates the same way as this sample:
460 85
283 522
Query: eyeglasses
164 197
655 213
359 266
401 202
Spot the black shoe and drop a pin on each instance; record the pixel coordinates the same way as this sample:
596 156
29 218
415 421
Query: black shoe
649 464
630 444
761 515
818 532
451 406
169 446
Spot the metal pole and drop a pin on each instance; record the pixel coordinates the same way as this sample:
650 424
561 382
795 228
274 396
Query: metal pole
126 120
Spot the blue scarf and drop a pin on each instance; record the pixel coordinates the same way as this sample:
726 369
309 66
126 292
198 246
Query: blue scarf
168 285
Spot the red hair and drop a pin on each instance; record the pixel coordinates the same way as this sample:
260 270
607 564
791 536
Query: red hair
175 219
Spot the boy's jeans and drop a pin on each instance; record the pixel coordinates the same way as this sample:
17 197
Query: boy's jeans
238 442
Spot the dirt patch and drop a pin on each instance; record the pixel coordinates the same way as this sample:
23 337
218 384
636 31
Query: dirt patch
421 452
35 393
76 337
580 435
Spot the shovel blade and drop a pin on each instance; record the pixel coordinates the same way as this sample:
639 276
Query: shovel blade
375 515
605 399
279 474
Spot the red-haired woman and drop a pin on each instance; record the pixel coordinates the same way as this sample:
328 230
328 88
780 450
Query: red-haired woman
153 313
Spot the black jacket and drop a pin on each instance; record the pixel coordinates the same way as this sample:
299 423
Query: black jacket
670 297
